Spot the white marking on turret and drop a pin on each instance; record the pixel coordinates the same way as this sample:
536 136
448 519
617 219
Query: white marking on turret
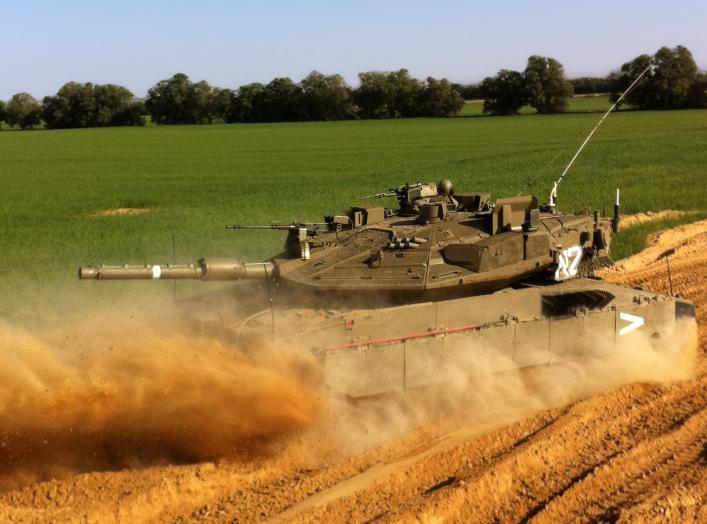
567 263
156 271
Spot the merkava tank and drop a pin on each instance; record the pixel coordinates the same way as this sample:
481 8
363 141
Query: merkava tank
390 299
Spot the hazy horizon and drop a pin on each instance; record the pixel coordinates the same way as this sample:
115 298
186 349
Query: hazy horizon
231 44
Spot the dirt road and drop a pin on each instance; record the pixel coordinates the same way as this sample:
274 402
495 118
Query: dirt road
635 453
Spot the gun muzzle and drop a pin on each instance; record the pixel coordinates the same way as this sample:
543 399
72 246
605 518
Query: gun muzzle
211 269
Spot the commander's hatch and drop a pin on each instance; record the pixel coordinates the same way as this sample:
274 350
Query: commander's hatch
511 214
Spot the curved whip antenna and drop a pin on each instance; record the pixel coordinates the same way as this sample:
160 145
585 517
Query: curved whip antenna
553 193
542 170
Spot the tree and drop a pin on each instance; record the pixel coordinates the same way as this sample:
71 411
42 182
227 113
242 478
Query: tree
24 111
697 97
548 90
199 103
505 93
326 97
673 82
179 101
248 104
469 91
3 115
115 106
131 114
438 98
221 100
587 85
392 94
405 90
91 105
284 101
374 96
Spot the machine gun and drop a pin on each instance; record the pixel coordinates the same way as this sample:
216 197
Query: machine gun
385 194
410 195
310 227
297 243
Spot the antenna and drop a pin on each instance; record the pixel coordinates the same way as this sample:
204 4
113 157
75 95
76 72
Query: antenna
553 193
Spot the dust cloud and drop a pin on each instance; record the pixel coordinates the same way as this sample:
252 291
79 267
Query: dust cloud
121 393
488 389
116 392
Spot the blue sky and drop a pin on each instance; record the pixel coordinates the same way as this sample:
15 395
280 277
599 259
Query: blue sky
44 44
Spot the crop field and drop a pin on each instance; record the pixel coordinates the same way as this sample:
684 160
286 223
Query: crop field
578 104
62 191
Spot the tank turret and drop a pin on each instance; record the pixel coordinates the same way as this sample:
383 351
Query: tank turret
437 243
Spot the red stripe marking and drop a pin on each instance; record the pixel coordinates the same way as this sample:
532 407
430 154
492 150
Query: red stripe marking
402 338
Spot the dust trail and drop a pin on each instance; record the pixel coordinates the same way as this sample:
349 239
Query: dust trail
490 389
97 397
116 392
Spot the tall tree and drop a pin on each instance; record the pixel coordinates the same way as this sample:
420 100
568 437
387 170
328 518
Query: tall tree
3 114
405 92
548 90
72 106
392 94
24 111
673 82
221 101
115 106
374 96
248 104
91 105
327 97
284 101
438 98
179 101
505 93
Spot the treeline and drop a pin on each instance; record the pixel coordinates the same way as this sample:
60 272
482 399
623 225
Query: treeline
75 105
178 100
673 82
316 97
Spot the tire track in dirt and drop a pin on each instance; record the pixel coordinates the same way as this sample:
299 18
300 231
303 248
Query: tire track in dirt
375 473
632 476
354 475
544 466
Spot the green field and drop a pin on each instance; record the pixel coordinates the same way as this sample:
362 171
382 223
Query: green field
578 104
196 179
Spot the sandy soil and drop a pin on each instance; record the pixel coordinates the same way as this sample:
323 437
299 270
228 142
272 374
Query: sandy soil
633 453
121 211
649 216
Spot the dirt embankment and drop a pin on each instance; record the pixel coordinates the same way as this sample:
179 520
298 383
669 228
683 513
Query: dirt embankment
634 453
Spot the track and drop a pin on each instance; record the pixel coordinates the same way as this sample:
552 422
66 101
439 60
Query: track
635 453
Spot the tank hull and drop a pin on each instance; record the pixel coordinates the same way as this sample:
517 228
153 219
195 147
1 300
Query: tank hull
375 351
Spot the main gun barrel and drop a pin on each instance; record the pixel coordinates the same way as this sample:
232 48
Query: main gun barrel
211 269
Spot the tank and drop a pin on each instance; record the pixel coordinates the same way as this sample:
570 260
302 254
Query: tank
392 298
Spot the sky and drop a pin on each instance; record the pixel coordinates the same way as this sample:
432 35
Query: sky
44 44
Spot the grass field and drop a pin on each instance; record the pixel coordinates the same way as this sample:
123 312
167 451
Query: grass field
196 179
578 104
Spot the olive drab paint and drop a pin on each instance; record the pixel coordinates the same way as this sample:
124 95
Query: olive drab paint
388 298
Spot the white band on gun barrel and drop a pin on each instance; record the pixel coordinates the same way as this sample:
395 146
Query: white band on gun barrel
156 271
